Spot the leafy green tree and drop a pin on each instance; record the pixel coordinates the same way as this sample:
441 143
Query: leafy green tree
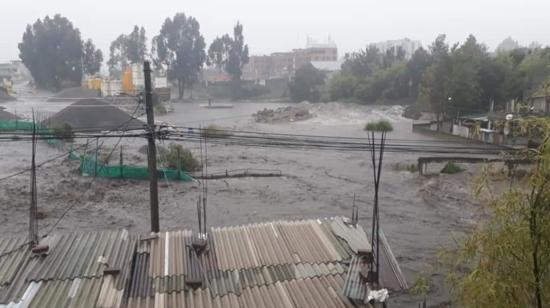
464 84
436 78
416 66
343 85
364 62
230 53
180 48
218 52
505 262
52 51
91 59
127 49
305 84
238 54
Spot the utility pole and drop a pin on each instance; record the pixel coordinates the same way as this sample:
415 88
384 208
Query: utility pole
33 225
151 149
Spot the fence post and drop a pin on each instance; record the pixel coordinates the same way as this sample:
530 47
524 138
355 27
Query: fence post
96 149
121 164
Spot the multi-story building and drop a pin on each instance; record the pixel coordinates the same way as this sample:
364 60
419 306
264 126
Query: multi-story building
280 65
408 45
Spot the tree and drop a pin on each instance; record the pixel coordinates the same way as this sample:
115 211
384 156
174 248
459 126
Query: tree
416 67
180 48
218 52
464 78
238 54
52 51
435 81
91 59
230 53
127 49
505 262
305 84
508 44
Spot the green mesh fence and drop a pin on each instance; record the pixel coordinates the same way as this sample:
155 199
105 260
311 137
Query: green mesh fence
8 125
89 167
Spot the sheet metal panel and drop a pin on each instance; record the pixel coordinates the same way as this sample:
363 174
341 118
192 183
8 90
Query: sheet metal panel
12 262
355 286
354 236
84 255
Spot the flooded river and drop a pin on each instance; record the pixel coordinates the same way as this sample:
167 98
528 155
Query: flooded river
418 214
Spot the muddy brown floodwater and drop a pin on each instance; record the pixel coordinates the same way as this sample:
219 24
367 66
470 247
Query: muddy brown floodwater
418 214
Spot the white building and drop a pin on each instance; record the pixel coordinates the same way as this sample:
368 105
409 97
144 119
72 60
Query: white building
408 45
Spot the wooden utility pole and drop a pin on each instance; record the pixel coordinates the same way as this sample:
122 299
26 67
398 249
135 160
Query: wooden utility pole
151 149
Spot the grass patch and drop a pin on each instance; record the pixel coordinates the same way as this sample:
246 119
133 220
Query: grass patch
412 168
451 168
214 131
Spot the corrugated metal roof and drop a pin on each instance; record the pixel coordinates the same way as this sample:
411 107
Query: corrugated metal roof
355 286
247 266
15 256
323 291
72 273
276 264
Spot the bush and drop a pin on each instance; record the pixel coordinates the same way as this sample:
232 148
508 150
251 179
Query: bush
214 131
451 168
176 157
160 109
63 131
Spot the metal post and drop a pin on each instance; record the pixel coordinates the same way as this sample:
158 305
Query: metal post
96 149
151 149
33 226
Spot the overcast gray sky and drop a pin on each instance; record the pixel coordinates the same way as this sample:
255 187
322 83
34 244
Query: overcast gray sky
279 25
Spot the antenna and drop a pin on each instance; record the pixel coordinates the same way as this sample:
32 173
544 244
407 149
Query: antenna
205 195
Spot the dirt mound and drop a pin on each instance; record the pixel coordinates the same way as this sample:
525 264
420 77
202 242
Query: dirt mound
284 114
95 115
5 97
74 94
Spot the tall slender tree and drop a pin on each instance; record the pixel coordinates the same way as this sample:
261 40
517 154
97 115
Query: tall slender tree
127 49
180 48
230 53
91 58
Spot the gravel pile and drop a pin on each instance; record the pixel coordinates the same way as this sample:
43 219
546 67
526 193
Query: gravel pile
74 94
284 114
95 115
